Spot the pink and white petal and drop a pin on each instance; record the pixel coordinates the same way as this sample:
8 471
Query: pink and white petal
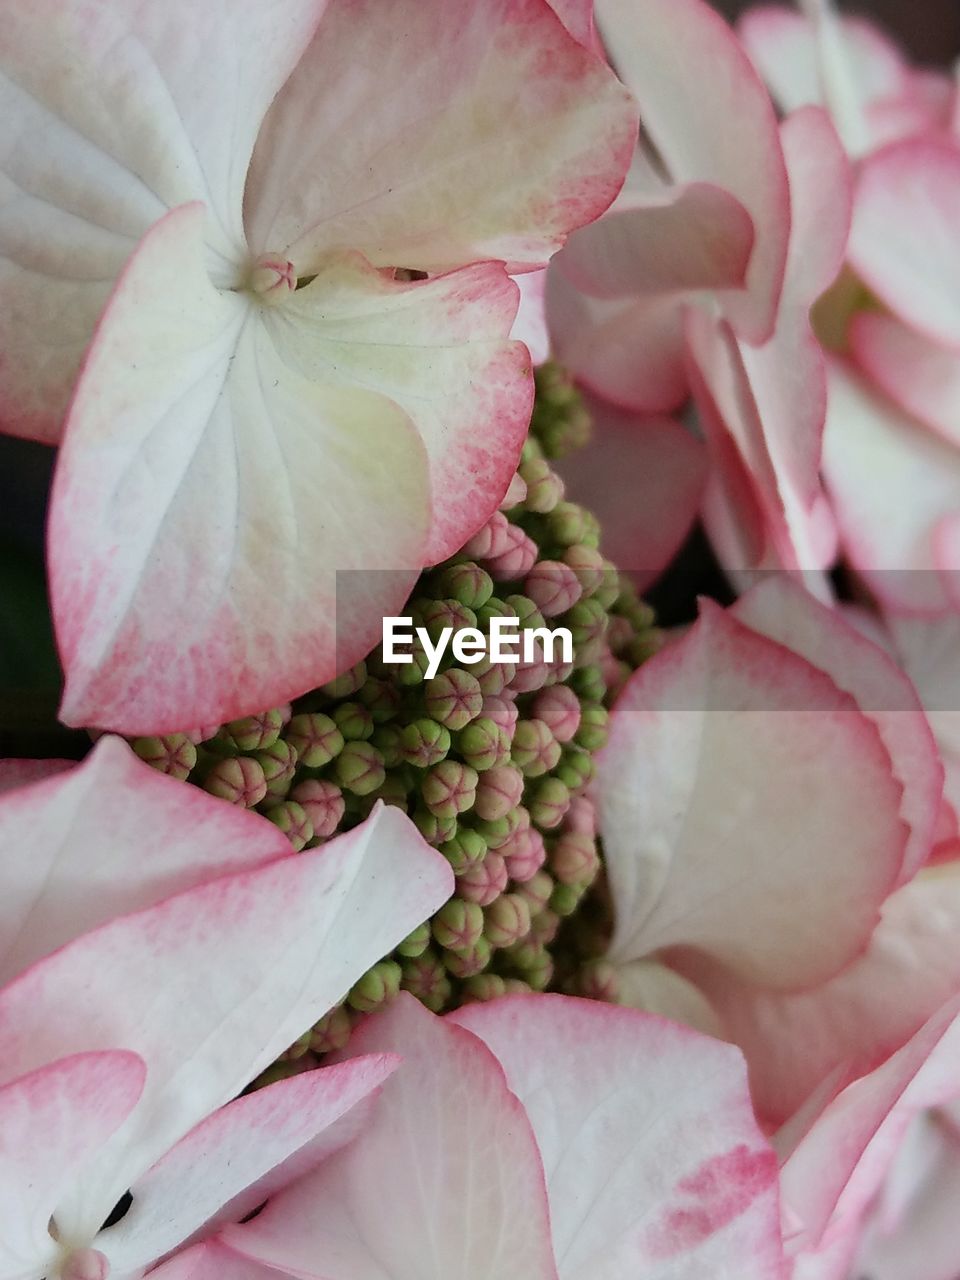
783 46
213 1261
629 352
929 651
903 242
440 350
446 1180
108 837
723 827
52 1122
530 326
781 610
692 237
654 1161
20 773
275 948
235 1149
891 482
922 1244
711 120
577 17
644 479
209 500
835 1170
654 988
111 118
921 377
407 162
860 1017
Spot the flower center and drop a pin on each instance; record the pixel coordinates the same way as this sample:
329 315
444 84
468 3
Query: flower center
272 278
85 1264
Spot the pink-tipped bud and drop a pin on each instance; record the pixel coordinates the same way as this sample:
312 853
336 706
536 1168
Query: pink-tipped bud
559 707
484 882
524 853
272 278
172 753
574 859
323 802
85 1264
498 791
502 712
516 560
535 750
582 816
531 676
537 891
553 587
492 540
507 920
239 780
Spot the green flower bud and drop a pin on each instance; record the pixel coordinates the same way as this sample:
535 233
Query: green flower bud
484 986
376 988
172 753
453 699
545 926
534 962
424 743
426 978
293 821
549 803
527 612
592 733
381 698
589 566
469 962
415 943
388 739
466 849
279 764
544 486
498 792
449 788
359 768
574 859
332 1031
354 721
576 769
435 830
537 891
253 733
440 614
516 987
483 744
238 779
494 608
610 586
315 738
588 683
507 920
587 621
467 583
568 523
566 898
458 925
322 802
534 750
347 683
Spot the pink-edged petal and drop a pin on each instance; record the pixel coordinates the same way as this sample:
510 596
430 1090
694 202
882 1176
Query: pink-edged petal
209 501
693 237
723 826
783 46
577 17
211 985
922 1243
213 1261
891 482
237 1149
904 242
653 1158
781 610
837 1166
20 773
921 377
440 350
627 351
929 651
711 120
643 478
855 1021
446 1179
52 1122
111 117
530 326
108 837
499 137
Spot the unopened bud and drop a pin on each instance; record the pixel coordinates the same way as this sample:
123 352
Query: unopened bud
466 849
484 986
498 791
468 583
449 788
534 750
349 682
484 881
253 733
453 699
354 721
549 803
172 753
524 853
457 925
415 943
516 560
376 988
238 779
553 587
293 821
559 708
599 980
506 920
469 962
426 978
593 732
359 768
316 739
279 764
323 804
483 744
332 1031
544 486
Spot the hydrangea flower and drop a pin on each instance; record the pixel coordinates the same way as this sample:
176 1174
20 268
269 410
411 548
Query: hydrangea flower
204 212
160 948
507 1145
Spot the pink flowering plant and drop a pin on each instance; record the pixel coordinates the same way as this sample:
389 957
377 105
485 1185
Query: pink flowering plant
480 656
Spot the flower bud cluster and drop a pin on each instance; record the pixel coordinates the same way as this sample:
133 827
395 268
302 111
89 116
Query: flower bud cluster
492 761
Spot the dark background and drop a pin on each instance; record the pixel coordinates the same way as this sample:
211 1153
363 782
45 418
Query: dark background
29 675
